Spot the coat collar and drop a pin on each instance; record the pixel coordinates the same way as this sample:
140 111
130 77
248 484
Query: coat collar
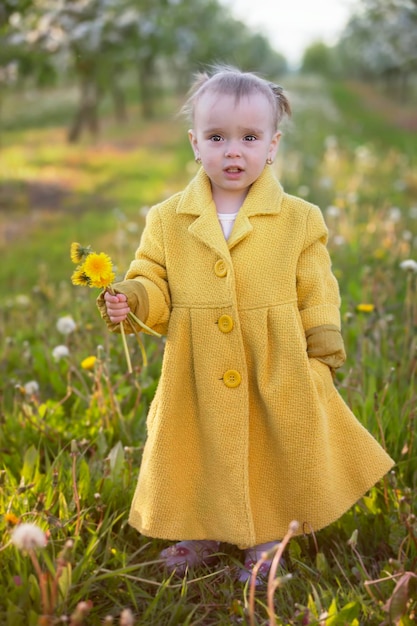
264 198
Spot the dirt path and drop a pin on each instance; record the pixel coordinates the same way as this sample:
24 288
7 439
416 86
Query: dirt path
403 116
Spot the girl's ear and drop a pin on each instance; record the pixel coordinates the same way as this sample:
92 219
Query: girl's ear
193 141
273 146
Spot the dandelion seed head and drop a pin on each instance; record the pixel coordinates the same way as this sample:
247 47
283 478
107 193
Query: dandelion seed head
22 300
66 325
394 214
31 388
333 211
303 191
331 142
132 227
126 618
407 235
28 536
339 240
294 526
409 265
60 352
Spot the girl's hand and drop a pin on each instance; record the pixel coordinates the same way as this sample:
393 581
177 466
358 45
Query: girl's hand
116 306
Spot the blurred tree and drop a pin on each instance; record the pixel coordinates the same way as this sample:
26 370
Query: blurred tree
380 42
318 59
100 42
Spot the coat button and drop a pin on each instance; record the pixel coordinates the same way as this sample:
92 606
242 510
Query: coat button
232 378
220 268
225 323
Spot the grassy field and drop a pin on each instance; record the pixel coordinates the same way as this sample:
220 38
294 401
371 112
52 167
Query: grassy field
72 418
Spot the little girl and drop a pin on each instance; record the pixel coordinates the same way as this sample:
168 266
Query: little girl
246 431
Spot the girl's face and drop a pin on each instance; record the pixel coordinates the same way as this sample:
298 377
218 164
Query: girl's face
233 140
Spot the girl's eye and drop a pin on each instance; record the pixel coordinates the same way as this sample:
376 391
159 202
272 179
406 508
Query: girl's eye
215 138
250 138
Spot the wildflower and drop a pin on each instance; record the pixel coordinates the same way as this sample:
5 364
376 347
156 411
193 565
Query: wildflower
66 325
89 362
60 352
409 265
99 269
11 519
365 308
28 536
31 388
79 252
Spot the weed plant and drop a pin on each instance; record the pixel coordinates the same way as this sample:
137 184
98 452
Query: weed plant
73 420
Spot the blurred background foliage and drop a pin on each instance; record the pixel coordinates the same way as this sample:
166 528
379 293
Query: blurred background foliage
107 49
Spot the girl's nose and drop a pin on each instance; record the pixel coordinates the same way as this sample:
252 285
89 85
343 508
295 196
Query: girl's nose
232 151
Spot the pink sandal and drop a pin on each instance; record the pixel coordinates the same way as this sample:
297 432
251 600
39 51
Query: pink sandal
252 556
189 554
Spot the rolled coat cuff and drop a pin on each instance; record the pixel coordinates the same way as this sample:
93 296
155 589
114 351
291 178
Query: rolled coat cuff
325 343
137 300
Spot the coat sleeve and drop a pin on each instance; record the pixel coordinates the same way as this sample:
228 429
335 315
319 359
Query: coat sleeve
318 295
149 269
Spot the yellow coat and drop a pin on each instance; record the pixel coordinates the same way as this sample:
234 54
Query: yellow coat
246 432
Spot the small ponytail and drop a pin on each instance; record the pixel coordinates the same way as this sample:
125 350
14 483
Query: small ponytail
283 104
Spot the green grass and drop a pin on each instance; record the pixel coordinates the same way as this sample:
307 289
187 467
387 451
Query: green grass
70 451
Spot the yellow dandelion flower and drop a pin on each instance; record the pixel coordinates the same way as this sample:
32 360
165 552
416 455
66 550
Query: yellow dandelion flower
79 277
89 362
96 270
79 252
98 267
365 308
11 519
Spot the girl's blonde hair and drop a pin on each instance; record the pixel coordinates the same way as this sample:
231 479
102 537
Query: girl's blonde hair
231 81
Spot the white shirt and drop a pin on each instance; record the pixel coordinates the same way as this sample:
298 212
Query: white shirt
226 221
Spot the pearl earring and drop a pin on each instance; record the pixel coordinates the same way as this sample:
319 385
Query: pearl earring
198 160
269 161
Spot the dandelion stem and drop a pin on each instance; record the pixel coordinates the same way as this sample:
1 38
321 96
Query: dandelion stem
126 349
140 342
74 486
142 325
273 582
42 583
